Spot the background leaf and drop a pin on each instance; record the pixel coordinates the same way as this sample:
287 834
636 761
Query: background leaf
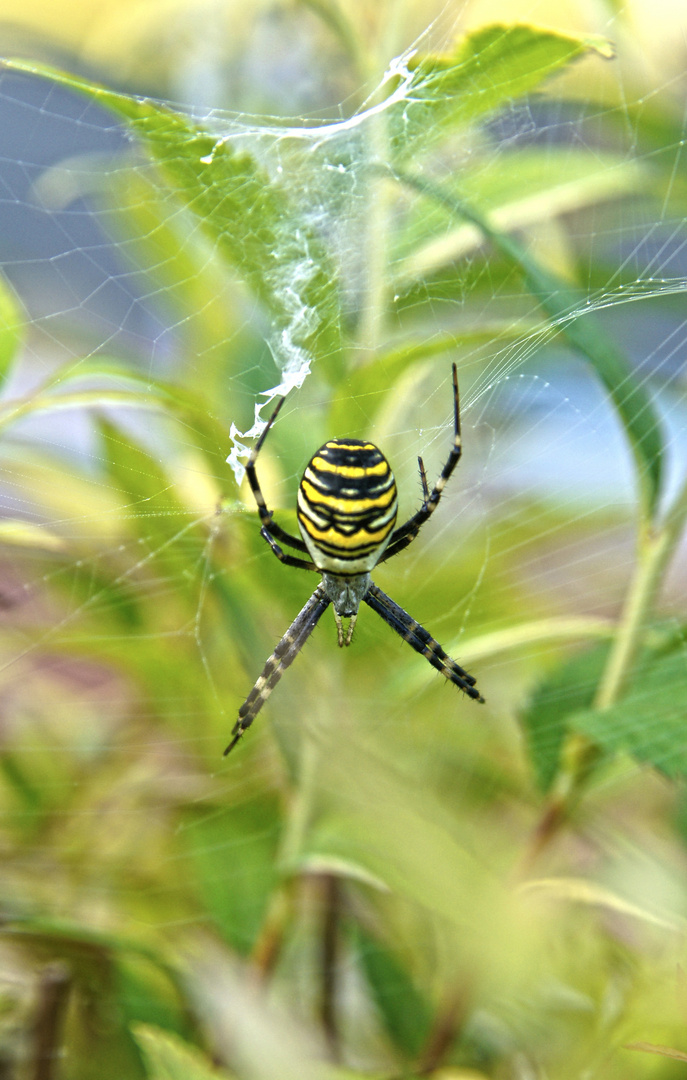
167 1057
489 68
649 721
12 320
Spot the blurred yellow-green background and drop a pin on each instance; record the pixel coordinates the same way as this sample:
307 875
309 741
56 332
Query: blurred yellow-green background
384 879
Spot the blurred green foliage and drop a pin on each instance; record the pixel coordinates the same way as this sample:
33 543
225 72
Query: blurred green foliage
382 880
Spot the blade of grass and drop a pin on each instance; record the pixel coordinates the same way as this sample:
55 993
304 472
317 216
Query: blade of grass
572 315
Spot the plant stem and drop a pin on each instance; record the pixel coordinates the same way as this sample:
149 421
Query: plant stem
656 545
655 548
55 986
382 190
268 947
331 907
371 329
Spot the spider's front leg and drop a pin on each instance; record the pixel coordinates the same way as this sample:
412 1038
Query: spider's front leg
267 516
288 560
406 533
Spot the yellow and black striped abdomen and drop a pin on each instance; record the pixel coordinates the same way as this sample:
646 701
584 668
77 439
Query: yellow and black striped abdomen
347 506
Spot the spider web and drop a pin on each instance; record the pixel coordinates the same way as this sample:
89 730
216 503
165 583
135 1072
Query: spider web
139 603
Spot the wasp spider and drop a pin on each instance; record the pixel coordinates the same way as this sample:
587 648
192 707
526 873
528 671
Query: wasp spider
347 507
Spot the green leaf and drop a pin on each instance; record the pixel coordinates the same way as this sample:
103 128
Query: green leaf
25 534
255 223
489 68
167 1057
397 833
517 190
574 318
150 500
145 996
73 938
366 389
141 393
404 1010
233 856
568 689
12 321
649 722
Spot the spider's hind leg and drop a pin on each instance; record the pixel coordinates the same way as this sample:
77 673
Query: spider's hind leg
422 641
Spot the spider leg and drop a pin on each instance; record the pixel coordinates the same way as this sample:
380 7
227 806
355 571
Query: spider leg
284 654
416 636
406 533
288 560
423 480
265 514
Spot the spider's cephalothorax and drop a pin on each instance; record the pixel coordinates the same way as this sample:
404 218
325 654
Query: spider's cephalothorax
347 507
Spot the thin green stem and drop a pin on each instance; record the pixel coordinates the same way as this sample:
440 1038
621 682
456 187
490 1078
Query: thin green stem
655 548
382 194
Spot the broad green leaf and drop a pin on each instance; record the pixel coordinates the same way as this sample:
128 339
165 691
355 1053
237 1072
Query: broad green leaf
12 322
167 1057
399 834
103 591
179 400
96 1023
145 495
489 68
143 481
255 223
62 933
144 997
649 722
365 391
22 781
572 687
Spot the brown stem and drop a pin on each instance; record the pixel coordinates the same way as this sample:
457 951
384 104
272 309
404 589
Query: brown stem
270 941
443 1034
53 996
331 900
